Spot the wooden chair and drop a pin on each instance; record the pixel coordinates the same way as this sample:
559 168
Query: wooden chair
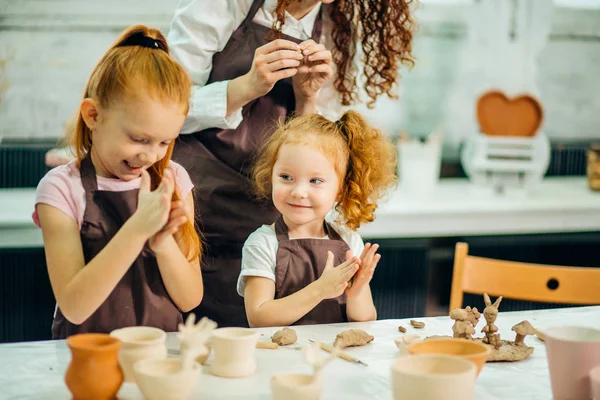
522 281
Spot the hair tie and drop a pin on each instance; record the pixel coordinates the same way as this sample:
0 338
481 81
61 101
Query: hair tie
139 39
342 129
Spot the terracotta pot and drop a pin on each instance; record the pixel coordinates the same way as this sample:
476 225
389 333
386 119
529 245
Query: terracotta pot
94 371
296 387
471 350
234 352
501 116
139 343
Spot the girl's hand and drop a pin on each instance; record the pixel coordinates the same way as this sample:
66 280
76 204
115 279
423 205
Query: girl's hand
177 217
276 60
368 262
315 70
333 281
154 207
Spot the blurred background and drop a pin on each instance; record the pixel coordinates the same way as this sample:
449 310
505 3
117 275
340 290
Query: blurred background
529 201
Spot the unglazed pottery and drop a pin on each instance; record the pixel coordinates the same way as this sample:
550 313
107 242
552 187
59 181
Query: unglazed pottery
234 352
402 342
139 343
433 377
296 387
161 379
94 371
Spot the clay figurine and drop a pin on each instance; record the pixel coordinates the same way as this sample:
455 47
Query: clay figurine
462 328
285 337
193 339
490 313
352 337
473 315
523 329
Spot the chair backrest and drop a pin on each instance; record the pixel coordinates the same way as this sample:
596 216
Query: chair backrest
522 281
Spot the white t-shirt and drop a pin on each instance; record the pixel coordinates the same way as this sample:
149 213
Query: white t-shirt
202 28
260 251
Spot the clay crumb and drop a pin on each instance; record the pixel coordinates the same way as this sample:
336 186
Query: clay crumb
417 324
285 337
352 337
402 329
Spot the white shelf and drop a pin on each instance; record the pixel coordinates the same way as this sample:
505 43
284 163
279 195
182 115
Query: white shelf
456 207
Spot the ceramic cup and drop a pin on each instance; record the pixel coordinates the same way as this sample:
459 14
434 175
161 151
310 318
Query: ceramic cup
402 342
572 352
296 387
433 377
139 343
164 380
234 352
595 382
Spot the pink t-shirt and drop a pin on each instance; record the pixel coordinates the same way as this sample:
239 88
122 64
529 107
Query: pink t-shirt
62 188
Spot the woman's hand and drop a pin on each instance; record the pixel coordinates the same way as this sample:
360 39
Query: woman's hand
314 72
276 60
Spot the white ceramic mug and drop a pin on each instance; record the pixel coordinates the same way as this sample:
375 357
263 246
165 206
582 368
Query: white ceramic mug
139 343
433 377
572 352
234 352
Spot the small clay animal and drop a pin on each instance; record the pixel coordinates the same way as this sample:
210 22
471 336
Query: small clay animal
490 313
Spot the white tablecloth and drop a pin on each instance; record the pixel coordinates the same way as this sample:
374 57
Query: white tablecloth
35 370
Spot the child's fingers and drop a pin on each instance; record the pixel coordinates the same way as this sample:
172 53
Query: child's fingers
320 68
306 44
175 223
167 183
145 183
177 204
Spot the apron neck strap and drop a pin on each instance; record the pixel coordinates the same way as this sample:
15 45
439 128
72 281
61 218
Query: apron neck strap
88 174
281 230
256 5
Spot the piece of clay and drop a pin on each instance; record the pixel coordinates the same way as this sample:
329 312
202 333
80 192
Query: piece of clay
508 351
490 313
417 324
462 328
540 336
352 337
284 337
523 329
402 329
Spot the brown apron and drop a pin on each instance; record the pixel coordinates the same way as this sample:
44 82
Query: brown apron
299 262
219 161
140 297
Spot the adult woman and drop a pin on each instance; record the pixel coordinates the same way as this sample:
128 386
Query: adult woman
248 73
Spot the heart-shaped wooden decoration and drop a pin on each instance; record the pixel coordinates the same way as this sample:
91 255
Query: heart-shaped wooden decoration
500 116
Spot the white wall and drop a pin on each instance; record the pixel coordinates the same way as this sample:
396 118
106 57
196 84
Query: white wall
52 45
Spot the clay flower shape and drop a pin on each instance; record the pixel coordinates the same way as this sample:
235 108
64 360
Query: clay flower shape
312 356
194 337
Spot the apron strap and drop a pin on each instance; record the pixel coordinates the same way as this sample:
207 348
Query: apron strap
256 5
88 177
318 26
281 230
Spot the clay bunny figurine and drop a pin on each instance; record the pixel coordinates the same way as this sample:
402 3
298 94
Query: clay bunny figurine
490 313
462 327
194 337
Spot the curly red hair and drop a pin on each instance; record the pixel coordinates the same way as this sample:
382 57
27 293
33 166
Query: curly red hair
363 158
385 30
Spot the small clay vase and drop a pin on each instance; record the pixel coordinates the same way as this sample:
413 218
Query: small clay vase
234 352
139 343
94 371
296 387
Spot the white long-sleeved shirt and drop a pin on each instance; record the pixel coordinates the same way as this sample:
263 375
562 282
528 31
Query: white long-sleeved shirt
201 28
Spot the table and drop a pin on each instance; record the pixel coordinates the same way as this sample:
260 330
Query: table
36 369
